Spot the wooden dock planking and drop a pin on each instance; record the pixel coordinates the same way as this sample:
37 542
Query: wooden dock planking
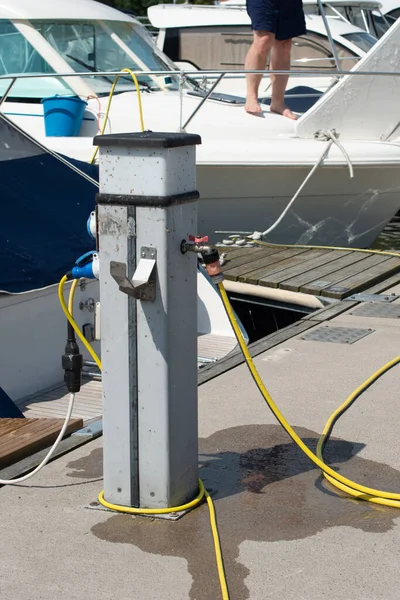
332 273
242 251
248 272
360 266
284 260
291 267
21 437
329 264
321 273
240 260
356 282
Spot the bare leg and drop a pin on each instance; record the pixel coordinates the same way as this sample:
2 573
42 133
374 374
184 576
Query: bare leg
256 59
280 61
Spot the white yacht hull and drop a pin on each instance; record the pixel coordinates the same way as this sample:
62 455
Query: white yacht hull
333 210
35 329
248 169
33 334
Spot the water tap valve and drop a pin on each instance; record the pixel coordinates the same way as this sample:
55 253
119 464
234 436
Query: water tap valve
209 254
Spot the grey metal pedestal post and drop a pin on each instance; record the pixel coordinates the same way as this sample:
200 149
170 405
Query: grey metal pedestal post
148 295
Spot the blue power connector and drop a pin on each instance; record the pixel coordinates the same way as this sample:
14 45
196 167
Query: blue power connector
91 225
84 266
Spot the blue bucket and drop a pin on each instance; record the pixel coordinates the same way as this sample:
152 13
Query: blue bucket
63 115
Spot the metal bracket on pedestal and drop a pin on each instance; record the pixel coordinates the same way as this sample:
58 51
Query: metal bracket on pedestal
143 284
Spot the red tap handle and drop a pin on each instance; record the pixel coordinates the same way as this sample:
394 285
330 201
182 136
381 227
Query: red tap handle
198 240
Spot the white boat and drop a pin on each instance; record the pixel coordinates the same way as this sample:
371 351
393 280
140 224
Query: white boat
388 15
204 37
361 13
45 205
248 168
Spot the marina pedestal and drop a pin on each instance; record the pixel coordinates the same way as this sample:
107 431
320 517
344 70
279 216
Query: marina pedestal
145 208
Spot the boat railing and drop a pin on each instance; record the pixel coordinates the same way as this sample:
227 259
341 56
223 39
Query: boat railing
222 5
186 74
183 74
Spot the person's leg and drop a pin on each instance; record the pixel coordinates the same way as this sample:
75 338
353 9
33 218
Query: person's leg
256 59
280 61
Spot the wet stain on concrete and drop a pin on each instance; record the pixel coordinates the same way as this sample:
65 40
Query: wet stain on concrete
264 489
87 467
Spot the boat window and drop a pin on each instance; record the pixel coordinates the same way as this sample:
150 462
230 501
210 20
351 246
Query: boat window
172 43
210 47
18 56
354 15
393 15
89 47
226 47
367 19
313 52
363 40
379 24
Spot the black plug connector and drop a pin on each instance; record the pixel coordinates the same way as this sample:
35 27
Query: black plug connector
72 363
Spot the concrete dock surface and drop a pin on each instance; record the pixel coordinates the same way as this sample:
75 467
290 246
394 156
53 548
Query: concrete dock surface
285 533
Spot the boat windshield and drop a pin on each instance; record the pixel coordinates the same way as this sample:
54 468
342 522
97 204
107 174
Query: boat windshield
367 18
18 56
362 39
95 46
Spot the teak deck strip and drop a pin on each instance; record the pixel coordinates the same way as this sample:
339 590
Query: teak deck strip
291 267
333 273
361 267
311 261
21 437
259 263
356 282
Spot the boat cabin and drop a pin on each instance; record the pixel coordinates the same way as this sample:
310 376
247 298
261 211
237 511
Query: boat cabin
219 36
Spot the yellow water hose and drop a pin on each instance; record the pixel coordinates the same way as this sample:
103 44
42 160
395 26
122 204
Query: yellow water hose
72 296
110 97
377 497
202 493
340 482
348 486
69 312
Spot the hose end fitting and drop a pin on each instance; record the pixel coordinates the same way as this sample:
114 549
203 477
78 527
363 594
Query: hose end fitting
212 264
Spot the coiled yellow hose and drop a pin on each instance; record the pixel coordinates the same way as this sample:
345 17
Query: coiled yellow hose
348 486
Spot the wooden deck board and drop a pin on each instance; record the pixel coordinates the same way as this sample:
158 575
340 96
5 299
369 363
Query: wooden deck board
302 269
54 403
21 437
292 267
238 252
321 273
333 273
241 262
362 267
355 282
250 272
284 260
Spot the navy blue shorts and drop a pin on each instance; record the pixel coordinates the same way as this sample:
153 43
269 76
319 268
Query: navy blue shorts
284 18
